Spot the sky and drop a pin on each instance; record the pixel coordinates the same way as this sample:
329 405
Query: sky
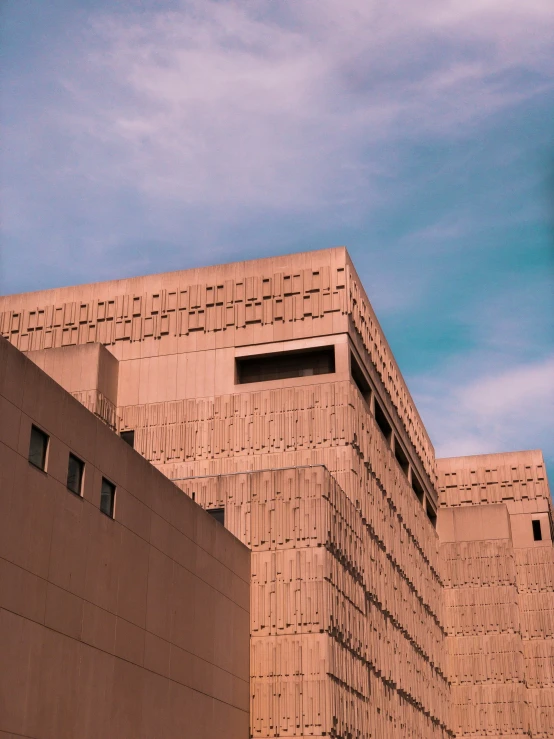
146 136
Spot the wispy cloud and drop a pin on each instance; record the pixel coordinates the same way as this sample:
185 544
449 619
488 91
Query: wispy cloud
490 411
152 135
164 119
243 104
232 103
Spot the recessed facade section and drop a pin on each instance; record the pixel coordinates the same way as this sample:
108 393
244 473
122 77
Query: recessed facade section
360 379
285 365
417 487
401 457
382 421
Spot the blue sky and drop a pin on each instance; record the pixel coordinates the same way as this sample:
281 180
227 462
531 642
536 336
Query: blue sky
151 136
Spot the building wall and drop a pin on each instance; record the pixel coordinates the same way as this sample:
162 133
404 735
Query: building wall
149 323
89 372
177 337
354 633
136 626
499 593
330 609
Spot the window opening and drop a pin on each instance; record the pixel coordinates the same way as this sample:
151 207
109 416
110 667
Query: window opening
417 487
431 515
107 497
401 457
38 446
537 532
75 469
218 514
382 421
359 378
284 365
129 438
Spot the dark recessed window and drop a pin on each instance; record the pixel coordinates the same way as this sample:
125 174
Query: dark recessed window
38 447
417 487
401 457
218 514
382 421
75 470
537 533
283 365
129 438
431 514
107 497
359 378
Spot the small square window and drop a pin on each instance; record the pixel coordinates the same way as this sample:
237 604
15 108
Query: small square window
107 497
537 532
218 514
38 447
75 470
129 438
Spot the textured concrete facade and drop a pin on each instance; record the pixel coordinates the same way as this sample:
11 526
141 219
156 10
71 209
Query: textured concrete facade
325 472
499 594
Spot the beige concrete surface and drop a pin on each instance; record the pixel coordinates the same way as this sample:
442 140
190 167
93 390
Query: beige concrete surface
365 619
136 626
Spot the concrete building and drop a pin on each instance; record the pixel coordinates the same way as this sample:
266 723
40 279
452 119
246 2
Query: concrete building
124 608
391 594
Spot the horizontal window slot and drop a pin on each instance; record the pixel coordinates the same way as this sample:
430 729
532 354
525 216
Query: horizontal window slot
285 365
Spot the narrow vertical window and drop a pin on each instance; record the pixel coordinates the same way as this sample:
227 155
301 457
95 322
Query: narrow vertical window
382 422
401 457
417 487
359 378
75 468
537 532
38 446
431 514
129 438
107 497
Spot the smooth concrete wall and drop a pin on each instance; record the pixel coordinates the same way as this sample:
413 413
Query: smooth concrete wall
475 523
80 368
136 626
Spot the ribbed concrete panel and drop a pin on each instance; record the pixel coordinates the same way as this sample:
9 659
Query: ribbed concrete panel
328 608
499 594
